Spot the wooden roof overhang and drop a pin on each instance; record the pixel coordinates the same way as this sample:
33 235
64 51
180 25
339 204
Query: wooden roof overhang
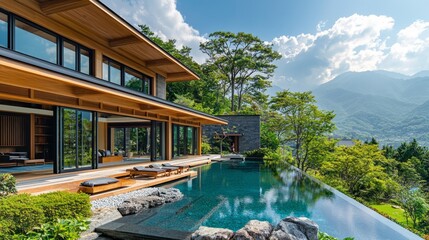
26 79
93 19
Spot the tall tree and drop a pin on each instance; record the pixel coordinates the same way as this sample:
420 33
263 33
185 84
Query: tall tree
305 126
244 61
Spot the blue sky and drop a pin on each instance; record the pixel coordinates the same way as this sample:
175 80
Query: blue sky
318 39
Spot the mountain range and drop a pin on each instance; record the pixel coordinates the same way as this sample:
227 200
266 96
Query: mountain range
388 106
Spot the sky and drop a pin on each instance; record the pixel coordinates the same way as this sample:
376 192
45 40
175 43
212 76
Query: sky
318 39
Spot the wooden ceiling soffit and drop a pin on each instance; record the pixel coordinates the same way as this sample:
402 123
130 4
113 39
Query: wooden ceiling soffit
57 6
158 62
177 76
118 42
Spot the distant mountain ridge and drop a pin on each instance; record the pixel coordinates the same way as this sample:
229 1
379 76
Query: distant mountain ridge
389 106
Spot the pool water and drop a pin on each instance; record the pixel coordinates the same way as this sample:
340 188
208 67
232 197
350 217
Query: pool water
229 194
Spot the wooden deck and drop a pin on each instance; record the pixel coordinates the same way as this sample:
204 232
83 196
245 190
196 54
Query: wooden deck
48 182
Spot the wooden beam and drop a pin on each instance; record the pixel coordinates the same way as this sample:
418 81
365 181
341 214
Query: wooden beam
159 62
123 41
177 76
57 6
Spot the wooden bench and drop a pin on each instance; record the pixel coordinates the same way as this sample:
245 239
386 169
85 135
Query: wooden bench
105 187
109 159
25 162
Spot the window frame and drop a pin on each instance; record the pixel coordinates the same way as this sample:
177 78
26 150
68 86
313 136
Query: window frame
123 68
12 18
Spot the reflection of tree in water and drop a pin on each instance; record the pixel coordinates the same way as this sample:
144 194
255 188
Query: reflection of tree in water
264 197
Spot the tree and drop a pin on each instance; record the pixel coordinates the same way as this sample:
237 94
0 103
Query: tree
243 61
408 150
303 124
414 204
355 170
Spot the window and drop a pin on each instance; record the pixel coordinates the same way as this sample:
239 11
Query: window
133 80
35 42
184 140
122 75
85 61
69 55
3 30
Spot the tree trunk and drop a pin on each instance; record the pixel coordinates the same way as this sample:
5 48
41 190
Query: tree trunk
232 95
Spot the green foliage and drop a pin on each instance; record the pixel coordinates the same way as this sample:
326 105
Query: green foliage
277 159
268 138
7 184
64 205
414 204
325 236
19 214
257 153
62 229
357 171
205 146
304 126
244 64
408 150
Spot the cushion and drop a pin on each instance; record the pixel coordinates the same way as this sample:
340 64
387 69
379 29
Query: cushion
108 153
140 168
167 165
99 181
155 165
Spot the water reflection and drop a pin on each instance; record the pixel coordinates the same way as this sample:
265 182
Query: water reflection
251 192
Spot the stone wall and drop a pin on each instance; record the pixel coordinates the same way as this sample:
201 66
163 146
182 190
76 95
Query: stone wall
161 87
247 125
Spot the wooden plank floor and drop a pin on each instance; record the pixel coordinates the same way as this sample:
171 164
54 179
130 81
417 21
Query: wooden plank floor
36 184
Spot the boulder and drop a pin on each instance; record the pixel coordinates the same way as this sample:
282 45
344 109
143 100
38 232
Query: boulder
242 235
169 194
286 230
259 230
128 207
101 216
305 225
208 233
153 201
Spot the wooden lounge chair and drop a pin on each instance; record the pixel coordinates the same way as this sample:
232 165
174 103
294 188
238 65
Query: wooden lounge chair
172 169
149 172
97 185
182 169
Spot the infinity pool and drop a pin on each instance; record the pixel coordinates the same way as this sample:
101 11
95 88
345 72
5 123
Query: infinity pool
229 194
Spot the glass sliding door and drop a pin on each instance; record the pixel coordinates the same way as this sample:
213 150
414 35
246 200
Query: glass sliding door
158 141
77 139
184 140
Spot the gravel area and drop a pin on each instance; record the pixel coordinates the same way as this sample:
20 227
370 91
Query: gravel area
114 201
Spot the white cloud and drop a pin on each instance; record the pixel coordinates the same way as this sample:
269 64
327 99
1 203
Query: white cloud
353 43
163 18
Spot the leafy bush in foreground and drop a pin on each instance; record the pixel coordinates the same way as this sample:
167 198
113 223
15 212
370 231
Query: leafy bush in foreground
64 205
325 236
20 214
7 184
68 229
257 153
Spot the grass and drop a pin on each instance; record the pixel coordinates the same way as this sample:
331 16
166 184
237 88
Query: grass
393 213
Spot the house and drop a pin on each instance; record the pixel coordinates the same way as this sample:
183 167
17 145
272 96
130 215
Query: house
80 87
243 133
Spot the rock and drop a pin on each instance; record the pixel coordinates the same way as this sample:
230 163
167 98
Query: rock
305 225
396 207
153 201
258 230
127 208
208 233
101 216
241 234
287 230
89 236
170 194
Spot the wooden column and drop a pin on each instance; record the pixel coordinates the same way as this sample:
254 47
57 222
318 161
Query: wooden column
168 137
200 140
98 65
32 136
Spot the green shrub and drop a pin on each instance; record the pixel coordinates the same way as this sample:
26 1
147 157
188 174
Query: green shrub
64 205
68 229
19 214
205 148
257 153
325 236
7 184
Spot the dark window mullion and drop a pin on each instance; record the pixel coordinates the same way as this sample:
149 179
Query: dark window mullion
60 51
77 59
11 35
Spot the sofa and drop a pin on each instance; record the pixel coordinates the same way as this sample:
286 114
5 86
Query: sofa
10 157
